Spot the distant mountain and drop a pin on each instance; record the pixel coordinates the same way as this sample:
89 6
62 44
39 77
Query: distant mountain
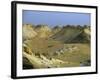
28 32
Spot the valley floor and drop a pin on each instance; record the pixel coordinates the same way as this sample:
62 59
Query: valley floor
48 53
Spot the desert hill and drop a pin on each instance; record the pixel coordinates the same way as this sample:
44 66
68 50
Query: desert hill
43 31
72 34
28 32
64 34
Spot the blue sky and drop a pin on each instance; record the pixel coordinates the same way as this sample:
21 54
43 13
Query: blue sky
55 18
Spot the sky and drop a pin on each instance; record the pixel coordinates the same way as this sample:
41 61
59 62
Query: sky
55 18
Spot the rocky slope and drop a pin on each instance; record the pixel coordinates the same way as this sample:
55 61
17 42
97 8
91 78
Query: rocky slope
72 34
28 32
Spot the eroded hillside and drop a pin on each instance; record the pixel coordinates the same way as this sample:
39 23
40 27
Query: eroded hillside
45 47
